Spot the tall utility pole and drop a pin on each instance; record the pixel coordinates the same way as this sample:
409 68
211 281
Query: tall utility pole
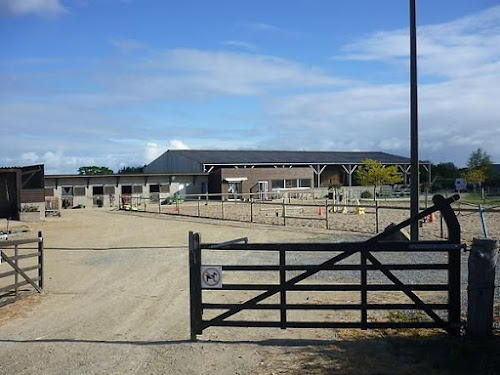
414 175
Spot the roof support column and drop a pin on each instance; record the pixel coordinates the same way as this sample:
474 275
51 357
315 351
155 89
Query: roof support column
317 171
406 171
349 170
427 168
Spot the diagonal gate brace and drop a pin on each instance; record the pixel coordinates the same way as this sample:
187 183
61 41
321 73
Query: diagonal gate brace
21 272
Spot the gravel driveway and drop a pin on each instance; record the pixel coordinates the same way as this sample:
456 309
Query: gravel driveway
127 310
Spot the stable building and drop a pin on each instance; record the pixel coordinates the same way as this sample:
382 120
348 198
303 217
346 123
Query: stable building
266 172
112 190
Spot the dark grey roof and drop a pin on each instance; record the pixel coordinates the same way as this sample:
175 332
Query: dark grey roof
288 157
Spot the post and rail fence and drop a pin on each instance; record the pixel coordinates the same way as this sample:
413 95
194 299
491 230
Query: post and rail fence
296 210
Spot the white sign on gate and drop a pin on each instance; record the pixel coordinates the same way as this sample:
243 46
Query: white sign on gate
211 277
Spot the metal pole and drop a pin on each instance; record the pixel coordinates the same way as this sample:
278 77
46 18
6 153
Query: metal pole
414 183
40 260
16 275
483 221
195 297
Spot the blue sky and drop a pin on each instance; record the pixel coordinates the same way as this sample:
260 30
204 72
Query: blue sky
117 82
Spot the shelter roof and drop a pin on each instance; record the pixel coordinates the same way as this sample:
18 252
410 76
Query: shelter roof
288 157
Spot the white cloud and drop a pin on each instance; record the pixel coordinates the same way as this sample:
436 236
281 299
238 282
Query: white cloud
463 47
240 44
42 8
127 45
194 73
259 26
155 149
176 144
57 162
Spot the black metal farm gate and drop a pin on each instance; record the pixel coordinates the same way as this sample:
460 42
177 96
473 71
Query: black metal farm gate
215 311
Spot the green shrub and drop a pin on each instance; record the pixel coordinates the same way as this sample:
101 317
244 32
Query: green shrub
366 194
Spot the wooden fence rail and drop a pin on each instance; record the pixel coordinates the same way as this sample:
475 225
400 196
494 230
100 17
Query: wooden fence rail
11 267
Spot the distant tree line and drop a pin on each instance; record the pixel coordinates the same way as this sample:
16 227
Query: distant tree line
479 172
94 170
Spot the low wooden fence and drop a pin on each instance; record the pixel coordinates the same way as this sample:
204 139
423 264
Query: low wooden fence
368 217
18 264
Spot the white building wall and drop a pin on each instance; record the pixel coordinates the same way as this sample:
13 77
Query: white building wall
141 188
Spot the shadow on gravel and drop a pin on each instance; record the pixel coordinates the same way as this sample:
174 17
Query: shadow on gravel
277 343
354 352
404 353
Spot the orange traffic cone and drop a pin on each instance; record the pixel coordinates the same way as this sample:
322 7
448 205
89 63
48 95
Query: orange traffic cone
320 211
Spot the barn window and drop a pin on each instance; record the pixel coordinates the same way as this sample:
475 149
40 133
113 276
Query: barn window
164 188
291 184
79 191
67 190
137 189
97 190
109 190
126 189
305 182
154 188
278 184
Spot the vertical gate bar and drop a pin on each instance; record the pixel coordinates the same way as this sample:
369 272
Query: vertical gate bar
16 275
282 289
454 278
364 293
177 205
199 198
222 205
454 300
40 260
251 210
376 216
195 284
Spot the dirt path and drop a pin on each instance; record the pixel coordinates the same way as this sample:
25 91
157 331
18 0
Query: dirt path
127 311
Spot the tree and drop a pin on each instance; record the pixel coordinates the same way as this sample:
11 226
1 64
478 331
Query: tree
372 172
93 170
131 170
444 175
479 168
479 159
475 176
